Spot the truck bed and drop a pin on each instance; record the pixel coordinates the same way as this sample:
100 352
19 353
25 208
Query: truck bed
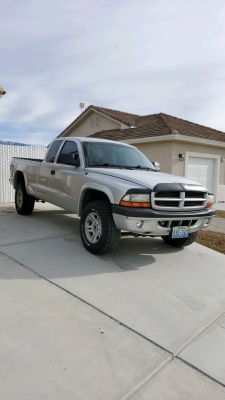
30 159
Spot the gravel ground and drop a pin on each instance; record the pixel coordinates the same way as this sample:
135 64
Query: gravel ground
214 235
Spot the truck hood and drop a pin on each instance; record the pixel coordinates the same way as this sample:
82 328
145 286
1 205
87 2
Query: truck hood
148 179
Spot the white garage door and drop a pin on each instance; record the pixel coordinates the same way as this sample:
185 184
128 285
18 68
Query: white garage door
201 170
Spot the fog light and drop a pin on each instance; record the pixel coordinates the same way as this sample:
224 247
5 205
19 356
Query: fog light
139 224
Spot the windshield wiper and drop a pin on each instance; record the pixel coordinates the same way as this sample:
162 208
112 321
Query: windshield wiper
108 165
142 167
105 165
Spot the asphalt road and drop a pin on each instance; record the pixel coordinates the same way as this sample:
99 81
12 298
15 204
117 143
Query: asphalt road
147 321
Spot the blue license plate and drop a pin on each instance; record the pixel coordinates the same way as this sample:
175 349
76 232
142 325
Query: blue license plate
180 232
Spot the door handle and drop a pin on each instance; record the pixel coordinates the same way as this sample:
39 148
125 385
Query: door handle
53 172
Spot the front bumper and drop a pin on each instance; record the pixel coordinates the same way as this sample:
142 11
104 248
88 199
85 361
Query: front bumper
158 223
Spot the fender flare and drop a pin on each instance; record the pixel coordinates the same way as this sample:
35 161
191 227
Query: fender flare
15 181
97 187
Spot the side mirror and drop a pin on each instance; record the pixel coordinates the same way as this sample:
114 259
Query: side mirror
157 165
69 159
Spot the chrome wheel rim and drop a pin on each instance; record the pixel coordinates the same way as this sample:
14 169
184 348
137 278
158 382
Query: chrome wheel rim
93 227
19 198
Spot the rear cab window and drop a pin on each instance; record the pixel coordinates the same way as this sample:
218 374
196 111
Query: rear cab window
53 151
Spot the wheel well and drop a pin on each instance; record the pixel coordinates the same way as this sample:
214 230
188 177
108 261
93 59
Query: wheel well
93 195
19 178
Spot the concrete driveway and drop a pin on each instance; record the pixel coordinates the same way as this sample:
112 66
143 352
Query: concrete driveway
146 322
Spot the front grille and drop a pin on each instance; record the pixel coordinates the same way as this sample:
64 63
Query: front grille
192 203
186 200
167 203
168 194
192 194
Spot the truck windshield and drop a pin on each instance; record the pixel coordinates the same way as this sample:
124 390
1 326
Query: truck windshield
115 155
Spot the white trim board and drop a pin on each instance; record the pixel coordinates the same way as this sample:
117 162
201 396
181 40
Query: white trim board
179 138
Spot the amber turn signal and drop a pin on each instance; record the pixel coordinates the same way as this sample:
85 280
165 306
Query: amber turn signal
210 200
134 204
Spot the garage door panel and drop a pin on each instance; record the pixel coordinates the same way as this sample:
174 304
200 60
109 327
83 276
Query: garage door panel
201 170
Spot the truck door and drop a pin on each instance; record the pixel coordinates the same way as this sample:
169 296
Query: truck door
65 180
45 171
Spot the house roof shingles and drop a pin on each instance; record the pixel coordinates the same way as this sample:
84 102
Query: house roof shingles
159 125
122 117
145 126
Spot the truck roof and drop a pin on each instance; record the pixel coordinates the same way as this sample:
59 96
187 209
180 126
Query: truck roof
88 139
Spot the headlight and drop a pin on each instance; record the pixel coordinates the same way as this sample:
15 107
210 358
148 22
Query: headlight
210 200
136 200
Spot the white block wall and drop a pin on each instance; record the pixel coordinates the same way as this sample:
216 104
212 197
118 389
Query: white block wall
6 154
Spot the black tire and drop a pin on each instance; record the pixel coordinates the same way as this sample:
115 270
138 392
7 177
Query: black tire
99 233
23 201
182 242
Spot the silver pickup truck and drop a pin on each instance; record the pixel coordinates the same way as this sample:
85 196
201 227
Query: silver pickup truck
113 187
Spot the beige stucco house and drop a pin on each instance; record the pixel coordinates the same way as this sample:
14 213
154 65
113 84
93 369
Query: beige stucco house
181 147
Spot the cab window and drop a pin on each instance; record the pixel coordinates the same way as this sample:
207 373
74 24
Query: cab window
69 147
53 151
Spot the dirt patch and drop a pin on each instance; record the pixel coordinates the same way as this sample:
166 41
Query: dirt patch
213 240
220 214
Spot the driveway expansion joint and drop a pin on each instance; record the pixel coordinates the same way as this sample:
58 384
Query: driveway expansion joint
171 355
200 371
197 334
88 303
146 379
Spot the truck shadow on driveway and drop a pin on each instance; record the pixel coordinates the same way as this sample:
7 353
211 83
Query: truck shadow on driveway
134 253
48 243
65 257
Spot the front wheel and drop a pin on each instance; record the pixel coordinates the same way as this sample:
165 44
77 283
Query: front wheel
23 201
99 233
181 242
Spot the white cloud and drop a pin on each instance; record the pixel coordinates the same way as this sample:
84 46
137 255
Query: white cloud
141 57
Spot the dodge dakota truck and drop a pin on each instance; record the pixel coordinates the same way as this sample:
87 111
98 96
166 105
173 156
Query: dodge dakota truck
112 187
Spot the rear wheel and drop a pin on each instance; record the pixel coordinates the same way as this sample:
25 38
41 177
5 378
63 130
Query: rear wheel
182 242
23 201
99 233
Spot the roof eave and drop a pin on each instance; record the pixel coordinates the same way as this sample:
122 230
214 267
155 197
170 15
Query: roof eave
175 137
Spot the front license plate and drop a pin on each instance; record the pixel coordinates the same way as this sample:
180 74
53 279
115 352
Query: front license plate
179 232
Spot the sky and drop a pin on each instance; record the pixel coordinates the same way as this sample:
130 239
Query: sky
137 56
